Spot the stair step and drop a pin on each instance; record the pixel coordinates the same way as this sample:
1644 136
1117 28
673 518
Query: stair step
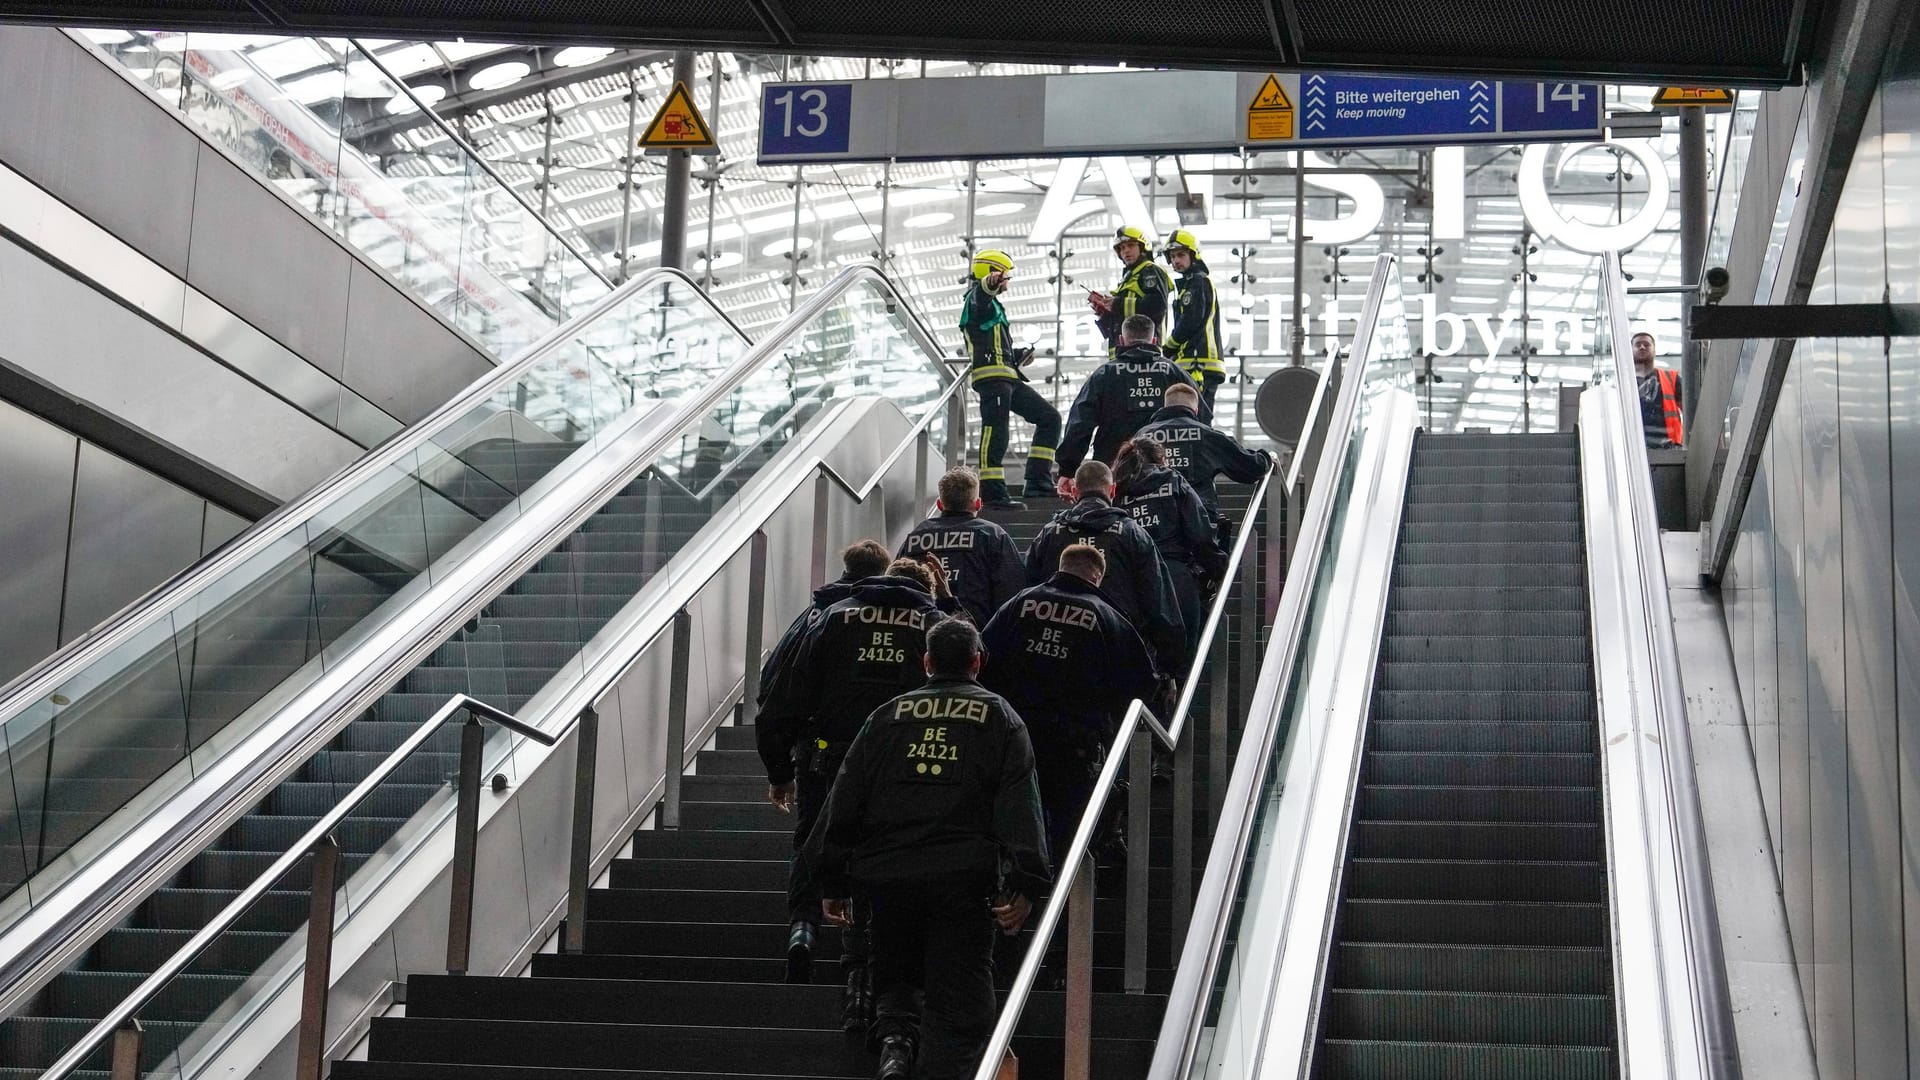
1501 598
1566 706
1477 840
1485 736
1481 770
1463 649
1453 1016
1451 677
1438 879
1473 922
1374 1059
1470 968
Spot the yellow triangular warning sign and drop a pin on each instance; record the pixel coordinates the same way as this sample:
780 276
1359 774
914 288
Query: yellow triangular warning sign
1712 97
678 125
1270 113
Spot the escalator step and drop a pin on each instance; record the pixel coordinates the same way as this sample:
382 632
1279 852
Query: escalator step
1434 879
1434 474
1468 705
1486 737
1421 531
1392 768
1470 968
1452 1016
1491 548
1478 840
1518 624
1454 677
1489 649
1490 575
1498 515
1372 1059
1574 805
1491 490
1470 598
1473 922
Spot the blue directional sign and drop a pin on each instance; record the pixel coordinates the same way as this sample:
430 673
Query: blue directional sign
1539 106
1368 109
805 118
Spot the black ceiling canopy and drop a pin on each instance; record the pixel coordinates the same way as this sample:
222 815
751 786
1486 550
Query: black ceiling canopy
1723 42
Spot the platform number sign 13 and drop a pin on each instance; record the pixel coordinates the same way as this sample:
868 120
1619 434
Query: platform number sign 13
805 118
1549 106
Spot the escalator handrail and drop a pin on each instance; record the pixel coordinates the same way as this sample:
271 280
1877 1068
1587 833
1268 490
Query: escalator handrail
1706 960
128 1010
1187 1000
73 913
45 677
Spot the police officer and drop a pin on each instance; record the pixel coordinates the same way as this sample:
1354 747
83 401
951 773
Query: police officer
982 563
1119 397
1138 583
1194 341
857 655
1200 452
1163 504
1070 663
1143 290
936 818
1002 386
860 561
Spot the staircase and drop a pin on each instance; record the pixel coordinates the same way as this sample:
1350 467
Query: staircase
685 953
1472 935
519 642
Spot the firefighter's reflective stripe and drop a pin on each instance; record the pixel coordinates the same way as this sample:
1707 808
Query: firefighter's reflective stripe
986 440
994 371
1043 453
993 474
1670 406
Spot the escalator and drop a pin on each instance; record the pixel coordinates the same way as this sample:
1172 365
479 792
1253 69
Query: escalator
502 550
1462 837
1472 932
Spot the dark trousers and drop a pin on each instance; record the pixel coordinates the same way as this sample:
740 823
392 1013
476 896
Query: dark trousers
1209 387
1191 596
933 972
803 892
1067 756
999 400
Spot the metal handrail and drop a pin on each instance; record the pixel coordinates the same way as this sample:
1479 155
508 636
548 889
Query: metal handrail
129 1007
1706 958
1187 999
364 672
1169 735
44 677
472 154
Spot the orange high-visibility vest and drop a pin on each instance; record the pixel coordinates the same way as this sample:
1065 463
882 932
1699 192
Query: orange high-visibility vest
1670 406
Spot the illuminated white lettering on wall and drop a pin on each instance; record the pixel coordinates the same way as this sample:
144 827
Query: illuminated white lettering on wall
1537 205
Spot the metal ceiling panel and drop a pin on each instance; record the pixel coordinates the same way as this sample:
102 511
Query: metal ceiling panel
1737 42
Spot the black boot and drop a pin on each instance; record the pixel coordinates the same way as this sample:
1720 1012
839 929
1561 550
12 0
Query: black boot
800 952
857 1005
896 1058
994 493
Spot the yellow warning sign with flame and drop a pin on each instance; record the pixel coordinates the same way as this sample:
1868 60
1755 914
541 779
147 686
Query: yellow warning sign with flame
679 126
1270 113
1714 98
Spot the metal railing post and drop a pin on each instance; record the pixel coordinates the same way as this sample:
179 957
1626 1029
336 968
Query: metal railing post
957 427
310 1059
1249 632
756 626
1217 730
922 455
1079 1007
126 1052
1182 839
650 525
677 718
821 493
466 835
1139 856
580 860
1277 544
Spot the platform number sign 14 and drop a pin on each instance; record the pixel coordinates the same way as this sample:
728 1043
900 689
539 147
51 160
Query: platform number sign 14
1549 106
798 118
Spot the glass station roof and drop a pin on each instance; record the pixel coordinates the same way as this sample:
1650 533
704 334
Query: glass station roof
555 125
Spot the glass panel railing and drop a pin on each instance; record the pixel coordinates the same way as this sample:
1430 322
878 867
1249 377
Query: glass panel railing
1216 1019
126 718
443 222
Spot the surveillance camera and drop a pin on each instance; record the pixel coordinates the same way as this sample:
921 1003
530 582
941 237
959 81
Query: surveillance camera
1713 287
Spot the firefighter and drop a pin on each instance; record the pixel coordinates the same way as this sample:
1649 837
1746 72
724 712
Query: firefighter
982 563
1660 416
1003 388
1167 508
860 561
1071 663
1194 341
859 654
936 819
1137 581
1200 452
1143 290
1119 397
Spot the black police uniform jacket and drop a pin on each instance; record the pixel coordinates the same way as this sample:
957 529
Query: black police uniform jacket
1163 504
983 563
853 657
824 597
1137 582
939 785
1119 399
1199 452
1061 651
